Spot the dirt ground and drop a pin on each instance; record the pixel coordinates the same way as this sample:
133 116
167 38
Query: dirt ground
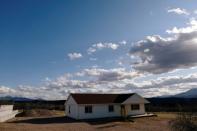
62 123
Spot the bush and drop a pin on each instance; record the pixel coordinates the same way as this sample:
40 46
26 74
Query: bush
184 122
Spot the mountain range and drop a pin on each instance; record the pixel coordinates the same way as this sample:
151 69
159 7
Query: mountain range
11 98
192 93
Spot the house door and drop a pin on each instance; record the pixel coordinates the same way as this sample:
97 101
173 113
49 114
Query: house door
123 111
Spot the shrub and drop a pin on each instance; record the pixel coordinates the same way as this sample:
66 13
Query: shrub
184 122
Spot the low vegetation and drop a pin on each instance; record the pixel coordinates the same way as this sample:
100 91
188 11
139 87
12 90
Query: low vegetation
61 123
39 104
39 113
172 105
185 121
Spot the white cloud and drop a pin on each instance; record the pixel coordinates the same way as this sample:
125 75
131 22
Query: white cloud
195 11
179 11
73 56
5 90
97 80
91 50
120 63
158 54
103 75
100 46
123 42
192 26
106 81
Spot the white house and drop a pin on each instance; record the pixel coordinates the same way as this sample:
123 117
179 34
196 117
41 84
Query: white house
90 106
6 112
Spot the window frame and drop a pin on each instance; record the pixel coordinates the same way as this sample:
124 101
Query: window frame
110 108
135 107
88 109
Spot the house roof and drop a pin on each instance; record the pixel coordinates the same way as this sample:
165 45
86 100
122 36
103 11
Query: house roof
100 98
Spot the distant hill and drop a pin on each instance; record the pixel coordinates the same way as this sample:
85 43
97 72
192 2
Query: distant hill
188 94
21 103
185 101
10 98
192 93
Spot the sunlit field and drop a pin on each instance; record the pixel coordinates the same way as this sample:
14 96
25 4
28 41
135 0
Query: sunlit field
58 122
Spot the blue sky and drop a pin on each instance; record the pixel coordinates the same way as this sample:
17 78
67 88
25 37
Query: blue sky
37 36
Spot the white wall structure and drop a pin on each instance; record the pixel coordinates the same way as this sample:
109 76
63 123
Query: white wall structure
99 103
98 111
6 112
71 108
135 99
135 112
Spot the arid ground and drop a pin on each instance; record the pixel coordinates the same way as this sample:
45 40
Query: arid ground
62 123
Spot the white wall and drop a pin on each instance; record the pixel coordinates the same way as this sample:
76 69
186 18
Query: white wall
6 107
73 108
98 111
135 99
135 112
6 112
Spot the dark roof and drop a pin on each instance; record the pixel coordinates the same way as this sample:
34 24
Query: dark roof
100 98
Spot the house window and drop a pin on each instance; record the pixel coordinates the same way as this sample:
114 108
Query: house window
111 108
88 109
69 109
135 107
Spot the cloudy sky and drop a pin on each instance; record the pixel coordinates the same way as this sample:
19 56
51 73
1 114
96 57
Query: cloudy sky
50 48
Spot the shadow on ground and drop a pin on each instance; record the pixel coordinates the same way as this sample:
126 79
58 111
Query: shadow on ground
63 119
47 120
101 121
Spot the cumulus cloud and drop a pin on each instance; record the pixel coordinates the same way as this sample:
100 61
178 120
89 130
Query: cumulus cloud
163 85
195 11
192 26
26 91
179 11
62 86
73 56
182 82
105 45
100 46
5 90
157 54
97 80
123 42
103 75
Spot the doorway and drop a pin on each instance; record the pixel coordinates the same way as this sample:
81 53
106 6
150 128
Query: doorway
123 111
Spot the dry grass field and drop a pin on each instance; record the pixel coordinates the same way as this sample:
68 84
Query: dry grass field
58 122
